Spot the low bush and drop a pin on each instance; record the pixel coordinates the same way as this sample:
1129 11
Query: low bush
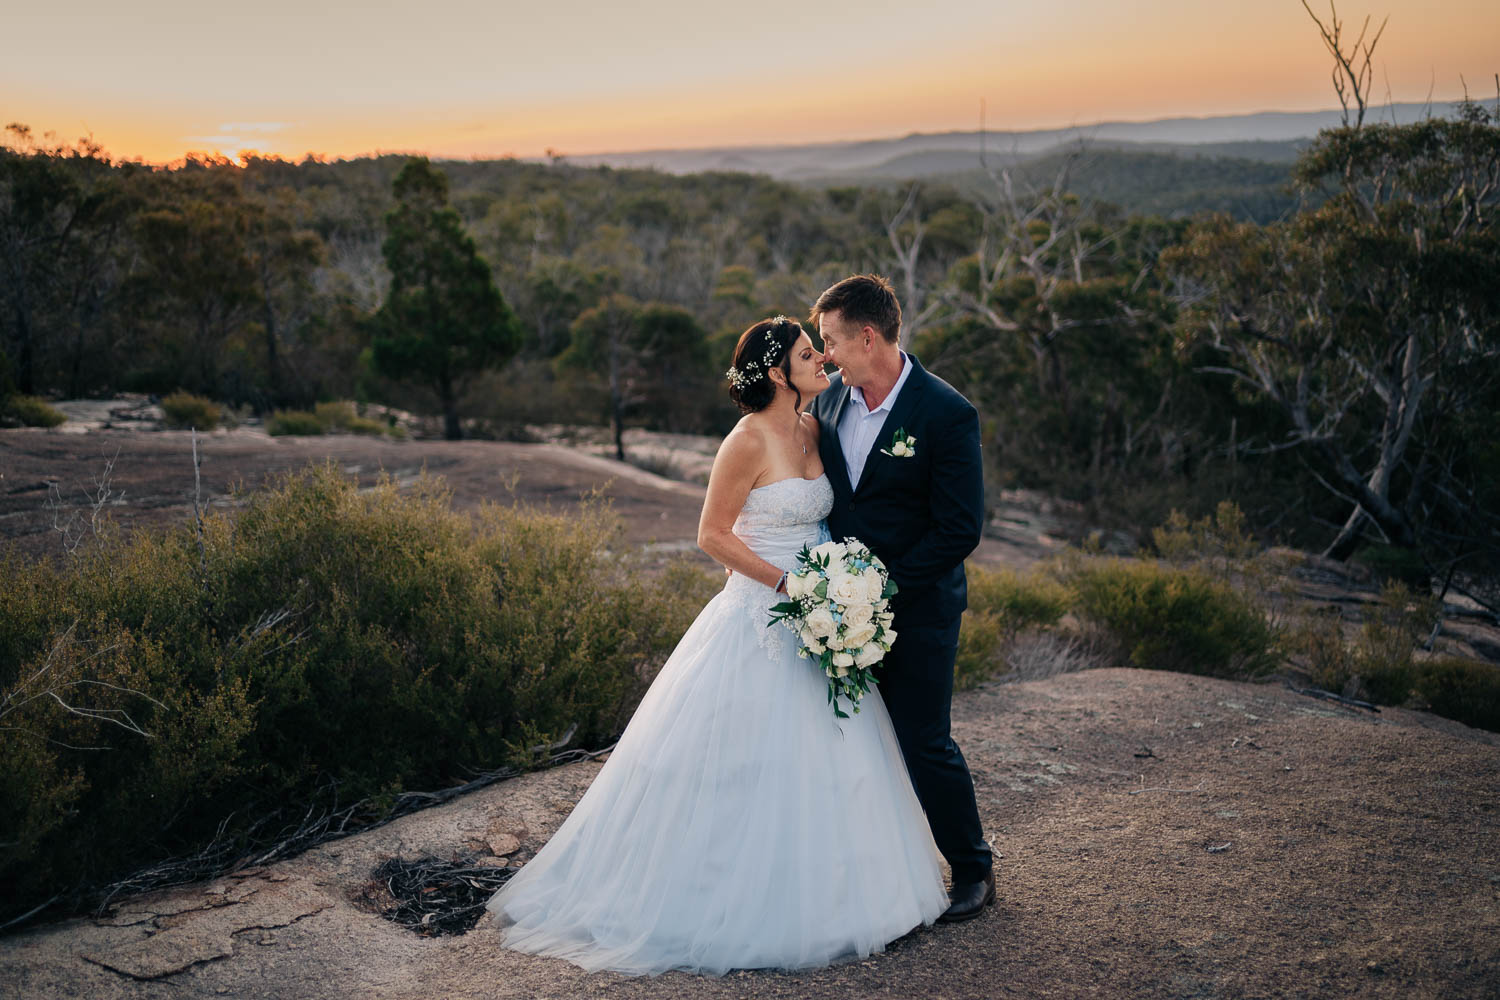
336 415
1222 536
296 423
33 411
1175 619
1001 605
184 410
1466 690
364 425
324 642
1379 663
1392 564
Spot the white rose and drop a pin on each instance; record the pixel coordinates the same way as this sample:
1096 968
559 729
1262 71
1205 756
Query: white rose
821 623
870 655
833 550
847 589
859 635
841 672
858 614
874 584
799 585
889 638
900 450
843 660
811 642
836 642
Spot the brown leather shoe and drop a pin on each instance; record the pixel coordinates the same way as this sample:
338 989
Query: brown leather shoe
969 899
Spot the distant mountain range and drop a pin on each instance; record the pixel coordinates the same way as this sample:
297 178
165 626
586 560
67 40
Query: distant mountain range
1267 137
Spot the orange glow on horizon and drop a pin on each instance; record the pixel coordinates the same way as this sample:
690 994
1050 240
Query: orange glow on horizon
1035 68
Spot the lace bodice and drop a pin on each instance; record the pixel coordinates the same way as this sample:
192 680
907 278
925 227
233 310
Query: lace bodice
776 521
783 512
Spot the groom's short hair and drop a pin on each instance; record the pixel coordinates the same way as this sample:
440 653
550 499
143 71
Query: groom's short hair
863 299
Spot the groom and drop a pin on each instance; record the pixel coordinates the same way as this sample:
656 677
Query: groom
901 448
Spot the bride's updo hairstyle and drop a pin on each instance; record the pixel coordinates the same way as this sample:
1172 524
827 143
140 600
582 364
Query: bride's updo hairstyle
764 347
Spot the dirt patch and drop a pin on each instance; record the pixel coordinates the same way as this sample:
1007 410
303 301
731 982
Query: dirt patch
152 477
1162 836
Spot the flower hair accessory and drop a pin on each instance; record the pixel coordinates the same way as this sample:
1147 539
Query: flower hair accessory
741 377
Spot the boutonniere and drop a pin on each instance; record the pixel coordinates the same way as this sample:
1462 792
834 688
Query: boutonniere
903 445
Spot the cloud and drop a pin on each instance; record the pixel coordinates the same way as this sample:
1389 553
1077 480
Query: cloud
254 126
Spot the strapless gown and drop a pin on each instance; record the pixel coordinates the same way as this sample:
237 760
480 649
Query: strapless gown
738 824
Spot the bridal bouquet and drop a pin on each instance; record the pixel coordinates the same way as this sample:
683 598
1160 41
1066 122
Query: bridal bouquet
837 601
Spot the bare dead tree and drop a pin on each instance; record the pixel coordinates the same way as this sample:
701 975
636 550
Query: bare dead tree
1044 232
906 231
1353 71
68 520
49 682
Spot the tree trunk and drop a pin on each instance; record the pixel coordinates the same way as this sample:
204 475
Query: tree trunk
273 373
25 361
451 429
1347 541
619 408
616 394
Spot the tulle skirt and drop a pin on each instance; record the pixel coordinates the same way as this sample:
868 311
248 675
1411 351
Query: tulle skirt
738 824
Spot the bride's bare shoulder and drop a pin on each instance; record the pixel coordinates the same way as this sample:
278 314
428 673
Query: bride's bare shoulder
745 442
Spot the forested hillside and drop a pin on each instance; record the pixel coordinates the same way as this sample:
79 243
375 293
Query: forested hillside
1322 351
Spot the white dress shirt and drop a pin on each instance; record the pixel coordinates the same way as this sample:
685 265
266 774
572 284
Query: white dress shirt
860 426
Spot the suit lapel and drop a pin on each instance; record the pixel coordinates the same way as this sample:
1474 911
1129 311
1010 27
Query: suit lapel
829 445
899 416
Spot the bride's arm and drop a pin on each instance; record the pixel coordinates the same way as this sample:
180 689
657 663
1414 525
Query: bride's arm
739 461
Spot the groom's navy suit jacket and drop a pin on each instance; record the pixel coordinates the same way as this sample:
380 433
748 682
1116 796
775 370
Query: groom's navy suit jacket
922 515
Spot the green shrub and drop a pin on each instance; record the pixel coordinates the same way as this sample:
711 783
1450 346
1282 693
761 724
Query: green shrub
1388 641
335 416
1019 602
1222 536
1465 690
322 639
1330 657
298 423
33 411
183 410
364 425
1392 564
1175 619
1381 658
1001 605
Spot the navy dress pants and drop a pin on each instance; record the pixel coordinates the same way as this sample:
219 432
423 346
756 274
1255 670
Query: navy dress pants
916 682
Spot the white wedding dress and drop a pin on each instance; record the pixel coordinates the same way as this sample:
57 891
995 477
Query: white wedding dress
738 824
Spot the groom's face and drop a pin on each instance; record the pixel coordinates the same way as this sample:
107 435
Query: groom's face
846 346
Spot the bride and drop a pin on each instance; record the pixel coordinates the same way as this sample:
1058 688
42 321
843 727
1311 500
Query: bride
738 824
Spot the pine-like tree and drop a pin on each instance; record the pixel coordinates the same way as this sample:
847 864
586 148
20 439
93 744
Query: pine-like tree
443 320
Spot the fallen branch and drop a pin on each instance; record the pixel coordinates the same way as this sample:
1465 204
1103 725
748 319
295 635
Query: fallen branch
313 825
1330 696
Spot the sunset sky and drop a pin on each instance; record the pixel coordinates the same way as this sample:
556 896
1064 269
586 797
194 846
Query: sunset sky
464 78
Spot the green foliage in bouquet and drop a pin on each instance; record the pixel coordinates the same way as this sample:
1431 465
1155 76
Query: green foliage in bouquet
831 584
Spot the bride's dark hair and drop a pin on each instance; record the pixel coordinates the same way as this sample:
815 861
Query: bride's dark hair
764 347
